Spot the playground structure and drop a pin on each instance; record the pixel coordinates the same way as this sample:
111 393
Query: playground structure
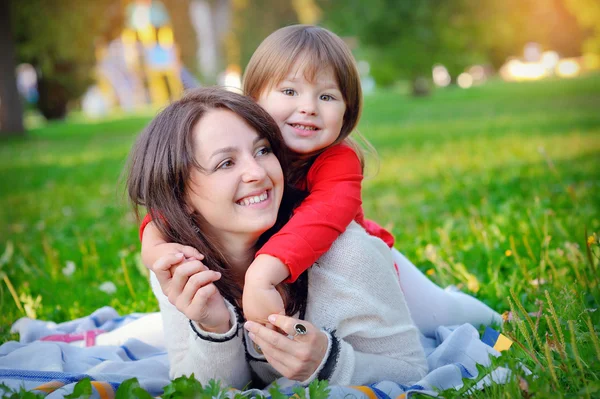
140 68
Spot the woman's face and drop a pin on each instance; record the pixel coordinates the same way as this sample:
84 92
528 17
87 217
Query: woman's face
240 189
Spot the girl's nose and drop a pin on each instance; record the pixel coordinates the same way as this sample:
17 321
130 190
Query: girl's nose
308 106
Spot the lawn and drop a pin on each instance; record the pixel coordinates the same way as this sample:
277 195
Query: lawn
495 189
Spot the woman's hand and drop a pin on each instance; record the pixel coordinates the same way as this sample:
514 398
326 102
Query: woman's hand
188 285
296 358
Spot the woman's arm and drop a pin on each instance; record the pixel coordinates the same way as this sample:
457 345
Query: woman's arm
206 355
355 295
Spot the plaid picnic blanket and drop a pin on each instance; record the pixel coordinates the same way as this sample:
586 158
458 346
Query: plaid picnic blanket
51 358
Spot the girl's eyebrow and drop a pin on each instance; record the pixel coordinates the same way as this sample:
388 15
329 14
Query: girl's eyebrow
327 84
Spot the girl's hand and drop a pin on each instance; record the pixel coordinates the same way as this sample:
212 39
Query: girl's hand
154 247
259 302
189 287
297 358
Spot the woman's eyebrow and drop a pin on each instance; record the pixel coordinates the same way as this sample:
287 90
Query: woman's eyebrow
223 150
230 149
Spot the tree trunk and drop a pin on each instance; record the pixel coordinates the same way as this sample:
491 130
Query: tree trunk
210 21
11 109
53 99
420 86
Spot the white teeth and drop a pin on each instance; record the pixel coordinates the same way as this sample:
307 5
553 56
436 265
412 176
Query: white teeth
253 200
303 127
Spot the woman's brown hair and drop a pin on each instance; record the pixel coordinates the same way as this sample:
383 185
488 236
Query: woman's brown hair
159 170
317 48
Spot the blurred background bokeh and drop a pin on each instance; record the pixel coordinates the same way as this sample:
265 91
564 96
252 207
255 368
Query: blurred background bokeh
485 116
106 57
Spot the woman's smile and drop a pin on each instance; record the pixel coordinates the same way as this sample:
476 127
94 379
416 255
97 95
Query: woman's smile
256 200
240 184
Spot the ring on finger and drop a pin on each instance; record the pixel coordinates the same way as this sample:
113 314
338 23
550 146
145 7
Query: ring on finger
299 329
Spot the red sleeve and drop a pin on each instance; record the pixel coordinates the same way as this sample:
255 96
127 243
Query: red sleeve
147 219
334 200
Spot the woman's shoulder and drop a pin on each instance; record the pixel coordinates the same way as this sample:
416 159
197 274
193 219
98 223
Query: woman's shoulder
357 248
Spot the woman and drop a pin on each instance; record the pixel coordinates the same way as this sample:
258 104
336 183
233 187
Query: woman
213 165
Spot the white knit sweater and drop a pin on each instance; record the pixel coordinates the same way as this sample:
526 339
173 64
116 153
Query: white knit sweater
353 295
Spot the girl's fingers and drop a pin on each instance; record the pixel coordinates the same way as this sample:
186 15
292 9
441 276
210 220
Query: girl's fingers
191 252
180 275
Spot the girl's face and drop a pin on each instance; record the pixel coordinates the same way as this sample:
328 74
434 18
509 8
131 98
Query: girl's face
309 114
240 189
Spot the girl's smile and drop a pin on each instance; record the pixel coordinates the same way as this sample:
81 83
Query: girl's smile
310 113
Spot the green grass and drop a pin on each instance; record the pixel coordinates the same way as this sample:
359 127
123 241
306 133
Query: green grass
495 189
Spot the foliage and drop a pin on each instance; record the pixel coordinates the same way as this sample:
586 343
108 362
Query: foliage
404 39
59 39
82 390
587 13
182 387
497 185
247 34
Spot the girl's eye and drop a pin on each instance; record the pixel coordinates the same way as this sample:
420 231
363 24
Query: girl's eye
326 97
263 151
225 164
288 92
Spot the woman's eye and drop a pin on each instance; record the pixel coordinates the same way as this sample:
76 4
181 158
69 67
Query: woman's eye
225 164
263 151
288 92
326 97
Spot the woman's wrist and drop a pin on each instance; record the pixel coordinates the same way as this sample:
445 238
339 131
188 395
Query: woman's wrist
215 330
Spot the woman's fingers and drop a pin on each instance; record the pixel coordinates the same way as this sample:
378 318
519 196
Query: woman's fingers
162 267
180 275
198 289
288 325
300 355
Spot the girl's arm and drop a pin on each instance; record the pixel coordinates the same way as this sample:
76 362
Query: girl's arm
154 246
334 200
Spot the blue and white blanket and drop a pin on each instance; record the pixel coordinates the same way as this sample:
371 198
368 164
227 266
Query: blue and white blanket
132 346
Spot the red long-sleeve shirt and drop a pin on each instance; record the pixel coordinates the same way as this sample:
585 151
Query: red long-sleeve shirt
334 200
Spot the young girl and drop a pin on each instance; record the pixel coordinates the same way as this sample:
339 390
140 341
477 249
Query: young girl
306 78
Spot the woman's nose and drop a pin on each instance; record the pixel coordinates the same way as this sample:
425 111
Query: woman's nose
254 171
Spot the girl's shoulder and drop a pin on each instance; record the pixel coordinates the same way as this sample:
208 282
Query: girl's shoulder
338 149
340 154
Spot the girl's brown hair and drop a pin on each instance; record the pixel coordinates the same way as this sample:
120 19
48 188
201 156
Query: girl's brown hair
317 48
160 165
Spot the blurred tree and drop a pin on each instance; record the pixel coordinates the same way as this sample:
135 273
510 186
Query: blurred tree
252 22
404 39
211 22
58 38
183 30
11 109
587 13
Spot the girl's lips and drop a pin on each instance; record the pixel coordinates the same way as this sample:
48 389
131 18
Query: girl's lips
303 132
